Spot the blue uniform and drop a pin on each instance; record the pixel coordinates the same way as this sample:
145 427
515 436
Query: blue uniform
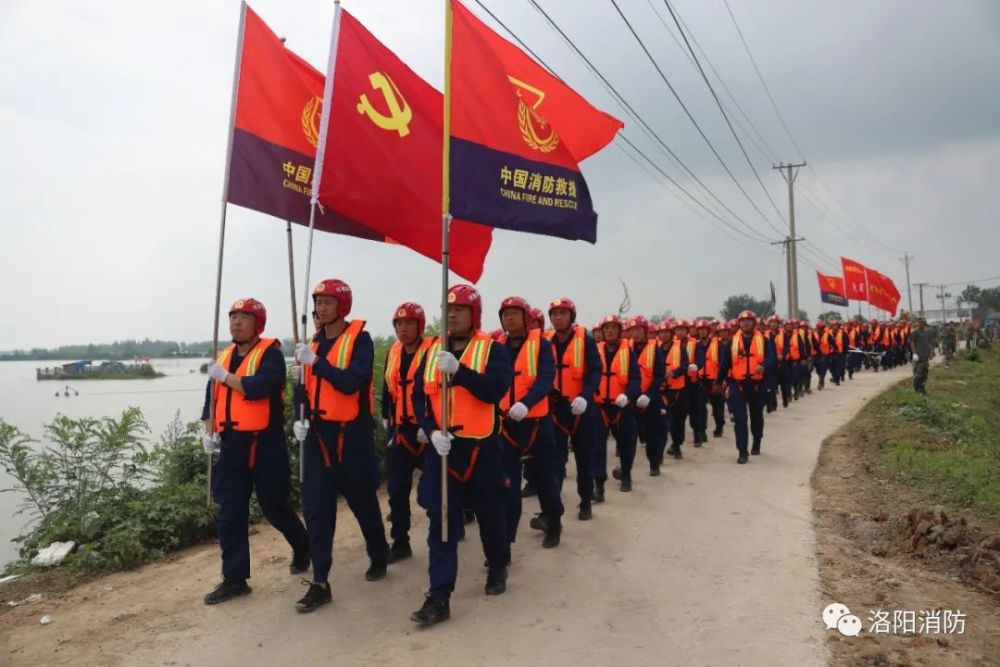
615 421
582 430
254 462
747 394
651 423
478 462
404 455
677 400
341 459
698 392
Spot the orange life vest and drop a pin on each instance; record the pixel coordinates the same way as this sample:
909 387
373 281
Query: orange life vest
525 375
692 345
570 369
852 338
468 417
400 388
647 366
614 381
754 357
232 408
325 401
673 363
792 341
711 369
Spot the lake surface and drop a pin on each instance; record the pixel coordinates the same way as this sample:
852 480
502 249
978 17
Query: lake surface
29 404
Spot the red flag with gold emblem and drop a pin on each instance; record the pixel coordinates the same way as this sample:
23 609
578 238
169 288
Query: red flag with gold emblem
855 282
831 290
279 102
517 135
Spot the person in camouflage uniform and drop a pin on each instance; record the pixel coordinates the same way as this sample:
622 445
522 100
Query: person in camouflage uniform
921 347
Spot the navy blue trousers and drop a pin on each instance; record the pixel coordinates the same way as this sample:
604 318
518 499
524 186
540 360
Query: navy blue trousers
352 471
482 489
620 424
404 456
235 477
653 427
582 432
532 440
747 397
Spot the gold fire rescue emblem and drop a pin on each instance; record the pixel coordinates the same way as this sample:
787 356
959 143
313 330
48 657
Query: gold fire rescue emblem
530 122
311 113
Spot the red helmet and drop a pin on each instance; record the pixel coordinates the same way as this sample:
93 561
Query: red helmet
650 329
411 311
467 295
774 318
637 322
682 324
340 291
734 324
536 315
251 307
563 302
747 315
791 323
820 324
665 325
701 324
611 319
516 302
713 324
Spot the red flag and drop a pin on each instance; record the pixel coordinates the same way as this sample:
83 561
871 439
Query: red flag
882 292
278 107
831 289
855 282
517 134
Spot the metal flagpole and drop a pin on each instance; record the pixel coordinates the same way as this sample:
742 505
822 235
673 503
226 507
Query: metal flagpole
314 196
222 235
291 283
445 249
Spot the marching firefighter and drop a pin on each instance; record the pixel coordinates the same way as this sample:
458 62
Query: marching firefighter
247 428
745 363
338 436
716 390
788 346
700 388
821 353
405 439
650 414
535 321
838 350
615 398
479 375
675 381
574 414
525 427
772 329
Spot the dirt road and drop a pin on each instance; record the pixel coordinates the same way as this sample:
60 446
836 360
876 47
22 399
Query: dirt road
712 563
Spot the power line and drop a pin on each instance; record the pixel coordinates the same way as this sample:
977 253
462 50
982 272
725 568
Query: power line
687 112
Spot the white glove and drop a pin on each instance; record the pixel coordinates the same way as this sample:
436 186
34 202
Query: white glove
518 411
441 442
693 368
422 437
663 411
297 374
217 372
210 443
621 401
385 424
447 362
301 429
642 402
304 354
916 357
578 406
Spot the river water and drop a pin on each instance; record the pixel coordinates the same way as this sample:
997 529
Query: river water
29 404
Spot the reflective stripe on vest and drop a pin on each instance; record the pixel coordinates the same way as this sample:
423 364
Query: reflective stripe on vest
232 408
525 375
647 364
569 369
673 363
401 389
711 370
325 401
745 362
794 353
613 382
468 417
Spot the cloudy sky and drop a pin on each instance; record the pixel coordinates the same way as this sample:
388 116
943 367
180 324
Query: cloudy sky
115 114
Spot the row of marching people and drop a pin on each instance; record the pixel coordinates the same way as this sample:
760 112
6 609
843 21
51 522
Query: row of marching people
525 396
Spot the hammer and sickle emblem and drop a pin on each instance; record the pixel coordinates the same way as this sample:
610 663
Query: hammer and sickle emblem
399 116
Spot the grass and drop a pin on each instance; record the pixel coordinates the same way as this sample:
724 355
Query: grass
946 444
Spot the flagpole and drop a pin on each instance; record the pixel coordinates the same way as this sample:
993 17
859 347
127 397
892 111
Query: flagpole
291 283
222 234
445 250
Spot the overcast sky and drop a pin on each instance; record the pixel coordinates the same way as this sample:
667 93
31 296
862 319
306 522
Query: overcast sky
114 120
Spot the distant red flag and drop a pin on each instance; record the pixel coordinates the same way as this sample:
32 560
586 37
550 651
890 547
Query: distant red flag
831 289
882 292
278 106
517 134
855 282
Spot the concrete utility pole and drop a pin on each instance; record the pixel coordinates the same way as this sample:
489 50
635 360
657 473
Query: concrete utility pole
942 294
906 259
789 172
921 286
793 308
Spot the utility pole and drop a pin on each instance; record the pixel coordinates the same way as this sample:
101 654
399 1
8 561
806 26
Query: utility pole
942 294
906 259
793 303
789 172
921 286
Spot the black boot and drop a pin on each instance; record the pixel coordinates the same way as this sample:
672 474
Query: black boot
496 581
743 458
377 570
529 490
717 433
553 530
539 522
654 471
400 550
317 596
755 449
585 512
598 490
468 516
675 451
433 611
626 483
227 590
300 562
617 473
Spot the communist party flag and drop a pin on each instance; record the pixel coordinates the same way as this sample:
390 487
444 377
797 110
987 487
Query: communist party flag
882 292
517 136
279 102
855 282
831 289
